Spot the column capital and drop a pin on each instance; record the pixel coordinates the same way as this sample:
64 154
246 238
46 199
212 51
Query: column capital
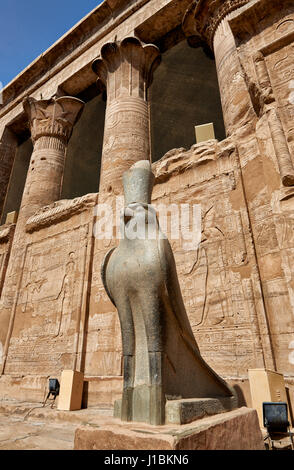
55 117
127 56
203 17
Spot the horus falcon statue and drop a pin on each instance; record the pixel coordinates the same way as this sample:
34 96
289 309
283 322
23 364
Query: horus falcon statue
161 359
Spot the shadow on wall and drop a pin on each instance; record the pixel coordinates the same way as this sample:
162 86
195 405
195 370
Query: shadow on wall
83 159
184 94
85 395
17 178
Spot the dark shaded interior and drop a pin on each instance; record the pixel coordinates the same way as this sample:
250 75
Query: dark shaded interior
83 159
184 94
17 178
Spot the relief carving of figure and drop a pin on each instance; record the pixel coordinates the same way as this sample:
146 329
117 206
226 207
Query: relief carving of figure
32 288
66 294
210 253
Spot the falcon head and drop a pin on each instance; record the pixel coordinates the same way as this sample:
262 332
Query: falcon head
139 221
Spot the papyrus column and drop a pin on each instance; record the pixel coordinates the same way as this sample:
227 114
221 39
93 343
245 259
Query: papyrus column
125 69
206 21
51 123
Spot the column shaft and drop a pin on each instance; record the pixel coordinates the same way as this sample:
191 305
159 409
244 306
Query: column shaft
125 69
51 122
44 178
207 21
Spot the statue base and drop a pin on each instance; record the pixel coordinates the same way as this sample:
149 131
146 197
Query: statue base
234 430
187 410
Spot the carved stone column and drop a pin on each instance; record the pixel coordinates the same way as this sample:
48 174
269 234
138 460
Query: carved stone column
206 21
51 122
8 144
125 69
269 106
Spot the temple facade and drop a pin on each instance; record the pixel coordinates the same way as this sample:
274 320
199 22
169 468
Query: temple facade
130 82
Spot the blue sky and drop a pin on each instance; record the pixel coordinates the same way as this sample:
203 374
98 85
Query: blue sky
29 27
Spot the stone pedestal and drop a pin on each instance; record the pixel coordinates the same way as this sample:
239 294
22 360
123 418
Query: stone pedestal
266 385
187 410
204 132
11 217
71 390
235 430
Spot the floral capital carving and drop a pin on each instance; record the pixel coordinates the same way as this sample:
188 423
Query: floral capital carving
203 17
135 55
55 117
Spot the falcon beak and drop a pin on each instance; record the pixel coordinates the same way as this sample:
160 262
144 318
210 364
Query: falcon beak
128 214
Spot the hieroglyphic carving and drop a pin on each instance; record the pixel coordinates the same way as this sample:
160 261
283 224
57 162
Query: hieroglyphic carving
126 70
66 294
217 280
49 300
53 118
51 123
6 237
215 306
281 63
221 249
31 290
60 210
285 26
281 148
264 101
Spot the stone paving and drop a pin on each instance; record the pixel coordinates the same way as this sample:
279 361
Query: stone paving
29 426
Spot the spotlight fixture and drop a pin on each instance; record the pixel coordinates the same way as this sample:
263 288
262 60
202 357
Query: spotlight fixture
54 388
275 420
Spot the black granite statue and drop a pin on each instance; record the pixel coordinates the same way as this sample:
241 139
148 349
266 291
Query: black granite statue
162 361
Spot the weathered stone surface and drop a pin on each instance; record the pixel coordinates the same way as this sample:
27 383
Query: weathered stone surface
126 70
187 410
30 426
236 430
